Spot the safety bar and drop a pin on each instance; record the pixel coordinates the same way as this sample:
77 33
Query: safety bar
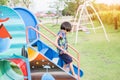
56 35
44 36
78 54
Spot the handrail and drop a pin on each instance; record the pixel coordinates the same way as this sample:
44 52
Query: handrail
78 54
44 36
49 41
56 35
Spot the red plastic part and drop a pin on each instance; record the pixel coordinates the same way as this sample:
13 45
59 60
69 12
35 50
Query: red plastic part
21 64
3 20
4 33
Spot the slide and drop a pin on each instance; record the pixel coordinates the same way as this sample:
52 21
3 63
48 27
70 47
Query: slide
50 54
41 47
29 20
14 41
16 29
7 73
8 64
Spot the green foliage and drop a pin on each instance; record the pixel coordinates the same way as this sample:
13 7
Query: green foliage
108 17
104 7
108 14
3 2
71 8
15 2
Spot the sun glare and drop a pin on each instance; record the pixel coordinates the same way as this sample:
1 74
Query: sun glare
108 2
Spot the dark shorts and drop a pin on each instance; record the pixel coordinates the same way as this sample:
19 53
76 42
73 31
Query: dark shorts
66 58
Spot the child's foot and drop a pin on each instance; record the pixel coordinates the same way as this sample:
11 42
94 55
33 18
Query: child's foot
67 69
75 76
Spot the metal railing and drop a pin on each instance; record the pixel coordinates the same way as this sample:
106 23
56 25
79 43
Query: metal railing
78 54
52 42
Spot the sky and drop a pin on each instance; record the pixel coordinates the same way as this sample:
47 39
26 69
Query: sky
43 5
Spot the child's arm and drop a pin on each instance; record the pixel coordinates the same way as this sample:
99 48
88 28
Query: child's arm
56 42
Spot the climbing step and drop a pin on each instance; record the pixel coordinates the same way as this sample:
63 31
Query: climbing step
52 56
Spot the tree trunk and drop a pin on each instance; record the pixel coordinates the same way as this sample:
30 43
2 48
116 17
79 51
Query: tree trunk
115 23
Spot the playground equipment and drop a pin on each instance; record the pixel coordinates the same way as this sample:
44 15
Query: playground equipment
60 62
83 18
29 20
16 28
3 20
7 72
32 54
4 36
3 42
37 45
11 53
49 53
47 76
21 19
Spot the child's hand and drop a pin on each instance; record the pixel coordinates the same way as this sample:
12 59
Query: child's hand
65 52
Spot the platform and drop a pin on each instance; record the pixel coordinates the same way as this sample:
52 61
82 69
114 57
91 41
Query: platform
57 75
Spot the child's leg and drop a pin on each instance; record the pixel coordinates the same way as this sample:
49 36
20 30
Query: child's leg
65 67
72 70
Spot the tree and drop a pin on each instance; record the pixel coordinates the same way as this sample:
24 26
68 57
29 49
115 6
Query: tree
13 3
3 2
58 6
27 3
71 7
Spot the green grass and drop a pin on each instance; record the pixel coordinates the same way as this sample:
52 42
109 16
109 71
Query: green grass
100 59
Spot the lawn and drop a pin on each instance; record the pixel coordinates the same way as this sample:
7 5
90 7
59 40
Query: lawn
99 58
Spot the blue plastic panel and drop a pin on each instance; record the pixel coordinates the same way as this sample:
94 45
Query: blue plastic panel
50 54
29 20
16 28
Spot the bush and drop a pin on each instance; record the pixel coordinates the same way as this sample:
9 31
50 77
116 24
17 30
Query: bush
108 17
